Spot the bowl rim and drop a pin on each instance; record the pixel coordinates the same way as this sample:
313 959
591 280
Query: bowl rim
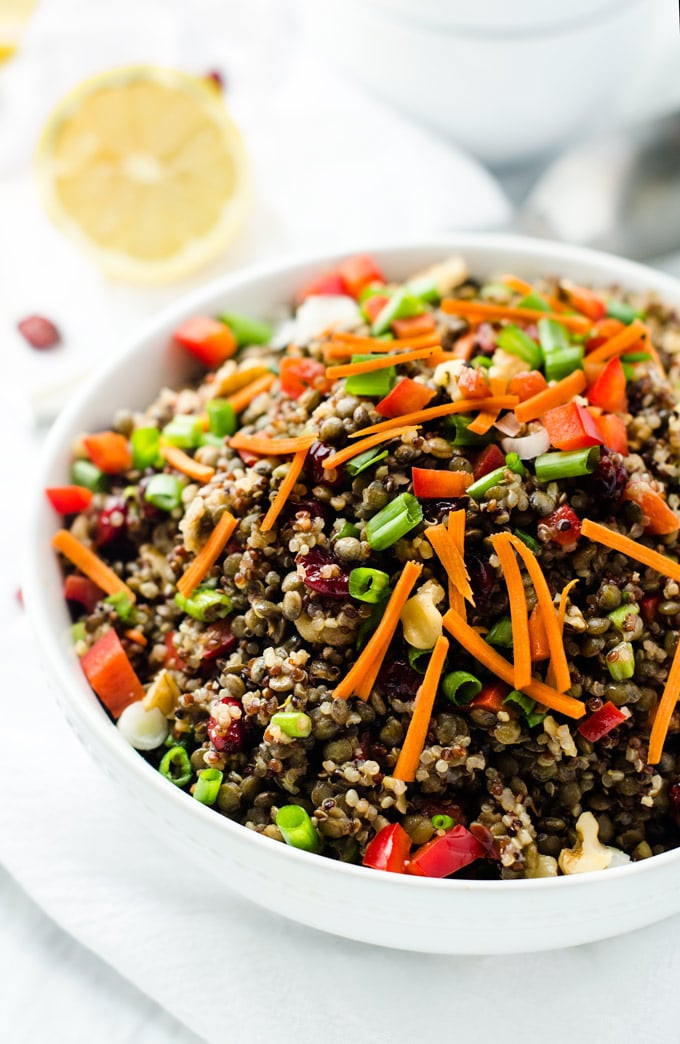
89 714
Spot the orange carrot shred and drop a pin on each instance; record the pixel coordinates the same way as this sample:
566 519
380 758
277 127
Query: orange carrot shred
377 345
520 286
268 447
664 712
353 450
181 461
502 402
484 421
360 678
491 312
208 555
617 542
519 616
538 639
555 395
244 396
284 490
450 557
414 741
457 532
136 636
372 365
620 342
345 349
465 345
90 564
473 643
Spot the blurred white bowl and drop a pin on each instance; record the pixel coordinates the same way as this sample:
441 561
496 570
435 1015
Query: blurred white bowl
388 909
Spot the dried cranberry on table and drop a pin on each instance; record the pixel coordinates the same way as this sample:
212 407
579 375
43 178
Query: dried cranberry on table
39 331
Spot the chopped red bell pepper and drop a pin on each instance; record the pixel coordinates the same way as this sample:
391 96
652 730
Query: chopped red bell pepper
359 272
601 722
414 326
373 306
661 519
406 397
526 385
109 451
111 674
571 427
488 460
389 850
218 640
430 484
490 697
67 500
613 432
211 341
609 390
649 606
82 590
603 331
563 525
173 660
327 284
297 375
446 853
585 301
473 383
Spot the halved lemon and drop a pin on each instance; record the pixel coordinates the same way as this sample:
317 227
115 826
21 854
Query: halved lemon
144 167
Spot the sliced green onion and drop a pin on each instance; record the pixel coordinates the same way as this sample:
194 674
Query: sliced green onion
247 330
482 486
395 520
348 530
526 705
375 290
628 371
458 423
402 305
499 292
205 604
621 661
297 828
364 460
553 336
415 656
530 542
222 419
78 632
208 439
85 473
483 362
207 786
123 607
293 723
501 633
564 464
561 364
625 313
377 383
460 687
635 357
146 448
535 302
424 288
176 767
164 492
442 822
369 585
513 462
619 616
184 431
516 342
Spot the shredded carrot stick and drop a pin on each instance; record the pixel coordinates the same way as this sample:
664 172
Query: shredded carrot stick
242 398
181 461
450 557
465 346
457 533
501 402
556 395
208 555
519 616
498 386
621 341
617 542
665 710
492 312
268 447
558 657
474 644
557 304
136 636
376 345
90 564
345 350
484 421
538 639
561 616
353 450
416 734
372 365
284 490
360 678
520 286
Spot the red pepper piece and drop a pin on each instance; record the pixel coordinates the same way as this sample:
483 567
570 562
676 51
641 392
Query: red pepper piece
601 722
571 427
488 460
83 591
328 284
446 854
407 396
218 640
564 525
209 340
473 384
373 306
389 850
649 607
613 432
297 375
111 674
526 385
414 326
356 273
609 390
660 519
431 484
490 697
585 301
109 451
173 660
67 500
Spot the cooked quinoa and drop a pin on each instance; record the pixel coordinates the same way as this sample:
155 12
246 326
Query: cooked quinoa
280 630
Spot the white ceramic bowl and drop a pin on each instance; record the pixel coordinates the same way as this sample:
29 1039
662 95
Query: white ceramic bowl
388 909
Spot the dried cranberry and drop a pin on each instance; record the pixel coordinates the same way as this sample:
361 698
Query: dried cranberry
436 508
312 507
674 801
563 526
218 640
607 483
315 564
231 741
482 578
318 452
486 839
39 332
649 607
111 521
488 460
398 680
